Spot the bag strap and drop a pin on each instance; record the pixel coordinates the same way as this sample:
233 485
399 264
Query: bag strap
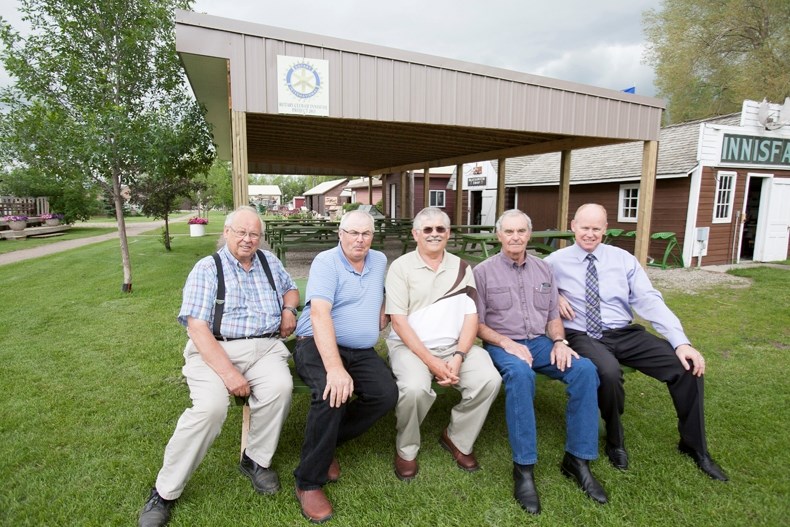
219 302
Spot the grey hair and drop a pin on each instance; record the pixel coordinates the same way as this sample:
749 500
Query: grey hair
360 214
230 217
428 213
510 214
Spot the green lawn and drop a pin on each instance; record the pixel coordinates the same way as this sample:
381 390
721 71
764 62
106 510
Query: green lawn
92 390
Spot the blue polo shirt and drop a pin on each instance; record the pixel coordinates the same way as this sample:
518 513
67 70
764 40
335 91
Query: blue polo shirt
356 298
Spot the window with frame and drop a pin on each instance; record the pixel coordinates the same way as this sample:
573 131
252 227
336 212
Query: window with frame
628 203
724 197
436 198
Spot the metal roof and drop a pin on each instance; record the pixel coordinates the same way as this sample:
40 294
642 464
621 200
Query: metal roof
391 110
324 187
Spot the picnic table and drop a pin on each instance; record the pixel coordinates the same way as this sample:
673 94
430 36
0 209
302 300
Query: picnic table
478 246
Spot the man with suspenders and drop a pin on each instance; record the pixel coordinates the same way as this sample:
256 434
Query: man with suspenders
236 306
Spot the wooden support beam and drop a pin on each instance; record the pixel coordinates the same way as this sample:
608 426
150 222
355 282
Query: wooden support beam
565 192
426 186
459 195
647 188
500 187
239 164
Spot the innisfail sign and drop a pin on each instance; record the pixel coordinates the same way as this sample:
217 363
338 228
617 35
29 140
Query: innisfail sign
747 149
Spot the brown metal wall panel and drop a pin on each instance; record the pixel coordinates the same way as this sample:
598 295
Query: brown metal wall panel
368 104
401 87
385 92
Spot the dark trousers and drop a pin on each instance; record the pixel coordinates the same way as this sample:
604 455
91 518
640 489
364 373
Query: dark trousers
375 394
635 347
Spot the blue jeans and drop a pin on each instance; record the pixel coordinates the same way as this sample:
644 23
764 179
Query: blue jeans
581 411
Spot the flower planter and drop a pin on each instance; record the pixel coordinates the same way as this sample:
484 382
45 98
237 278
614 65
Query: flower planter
52 223
17 225
196 230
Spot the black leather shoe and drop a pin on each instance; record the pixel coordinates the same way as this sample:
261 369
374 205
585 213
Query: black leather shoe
264 480
618 457
704 462
156 511
524 489
579 469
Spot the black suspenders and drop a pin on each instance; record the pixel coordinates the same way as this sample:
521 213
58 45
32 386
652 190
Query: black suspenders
219 303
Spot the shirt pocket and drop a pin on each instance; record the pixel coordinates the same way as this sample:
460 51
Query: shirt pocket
499 299
542 299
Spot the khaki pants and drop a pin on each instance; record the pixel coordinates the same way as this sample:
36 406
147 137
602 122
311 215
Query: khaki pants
479 385
264 363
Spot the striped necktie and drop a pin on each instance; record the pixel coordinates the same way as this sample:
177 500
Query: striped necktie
592 300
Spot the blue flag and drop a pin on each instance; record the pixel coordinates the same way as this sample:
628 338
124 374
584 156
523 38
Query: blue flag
632 89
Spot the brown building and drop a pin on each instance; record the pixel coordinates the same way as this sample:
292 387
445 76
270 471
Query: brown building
722 186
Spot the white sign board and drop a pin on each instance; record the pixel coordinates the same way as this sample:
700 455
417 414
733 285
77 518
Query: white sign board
303 86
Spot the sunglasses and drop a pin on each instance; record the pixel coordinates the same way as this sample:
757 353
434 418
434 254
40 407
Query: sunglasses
440 229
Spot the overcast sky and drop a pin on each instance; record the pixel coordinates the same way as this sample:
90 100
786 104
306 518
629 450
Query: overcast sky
598 42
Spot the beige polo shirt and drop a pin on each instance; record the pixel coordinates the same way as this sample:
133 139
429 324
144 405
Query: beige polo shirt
435 302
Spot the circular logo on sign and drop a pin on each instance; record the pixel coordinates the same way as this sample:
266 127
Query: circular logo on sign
303 80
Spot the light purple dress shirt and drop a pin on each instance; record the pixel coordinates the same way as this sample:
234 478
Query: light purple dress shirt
623 285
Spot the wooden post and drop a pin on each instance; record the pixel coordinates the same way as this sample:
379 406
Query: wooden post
647 188
240 162
405 210
500 187
384 198
370 190
459 195
426 186
565 191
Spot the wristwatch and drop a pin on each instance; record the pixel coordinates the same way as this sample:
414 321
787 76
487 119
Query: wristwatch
561 340
461 353
291 309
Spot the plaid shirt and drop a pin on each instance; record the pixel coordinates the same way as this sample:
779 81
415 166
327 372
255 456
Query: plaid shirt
251 307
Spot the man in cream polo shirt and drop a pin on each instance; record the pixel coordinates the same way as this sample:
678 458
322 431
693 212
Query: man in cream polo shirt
431 301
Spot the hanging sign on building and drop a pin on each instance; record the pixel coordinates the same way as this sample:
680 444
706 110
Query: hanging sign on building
754 150
303 86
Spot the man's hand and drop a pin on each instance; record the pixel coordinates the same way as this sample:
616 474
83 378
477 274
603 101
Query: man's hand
566 311
519 350
562 355
687 353
339 386
444 373
235 382
287 323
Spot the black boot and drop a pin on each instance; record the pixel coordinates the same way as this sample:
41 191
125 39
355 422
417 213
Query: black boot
579 469
524 488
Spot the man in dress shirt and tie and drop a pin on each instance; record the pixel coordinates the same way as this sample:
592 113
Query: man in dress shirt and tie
599 325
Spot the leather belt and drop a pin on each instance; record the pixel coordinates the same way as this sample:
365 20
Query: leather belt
264 336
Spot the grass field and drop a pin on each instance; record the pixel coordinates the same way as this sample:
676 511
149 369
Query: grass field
92 390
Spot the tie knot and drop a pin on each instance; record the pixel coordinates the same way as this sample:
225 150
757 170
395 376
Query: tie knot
590 258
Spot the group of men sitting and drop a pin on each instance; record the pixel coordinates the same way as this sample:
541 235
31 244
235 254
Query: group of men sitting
568 317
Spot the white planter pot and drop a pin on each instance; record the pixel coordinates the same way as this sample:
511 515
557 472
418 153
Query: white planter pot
17 225
52 223
197 230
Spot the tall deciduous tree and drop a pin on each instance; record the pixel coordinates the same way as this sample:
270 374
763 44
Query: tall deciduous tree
710 56
181 148
88 78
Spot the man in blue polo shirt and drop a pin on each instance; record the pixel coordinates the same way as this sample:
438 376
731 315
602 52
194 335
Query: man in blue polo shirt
334 355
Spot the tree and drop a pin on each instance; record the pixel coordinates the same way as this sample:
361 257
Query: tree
89 79
710 56
218 185
181 148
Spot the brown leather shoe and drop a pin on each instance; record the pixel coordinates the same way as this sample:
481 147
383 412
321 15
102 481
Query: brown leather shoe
333 474
405 470
315 505
465 461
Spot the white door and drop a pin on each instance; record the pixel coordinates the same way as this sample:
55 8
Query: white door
773 223
488 207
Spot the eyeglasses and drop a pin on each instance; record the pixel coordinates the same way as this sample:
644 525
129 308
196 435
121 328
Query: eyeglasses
441 229
354 234
241 234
